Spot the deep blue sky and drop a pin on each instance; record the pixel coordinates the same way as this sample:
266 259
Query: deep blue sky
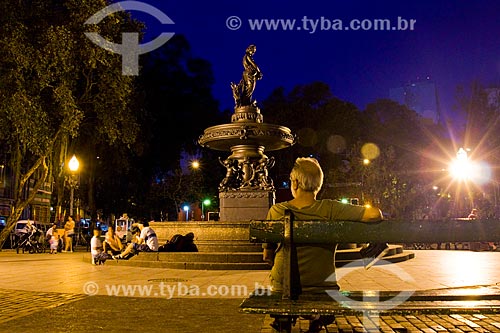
454 42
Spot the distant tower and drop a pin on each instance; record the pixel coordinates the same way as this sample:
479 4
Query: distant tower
420 96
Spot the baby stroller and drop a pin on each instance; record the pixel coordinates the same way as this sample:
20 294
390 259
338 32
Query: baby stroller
32 241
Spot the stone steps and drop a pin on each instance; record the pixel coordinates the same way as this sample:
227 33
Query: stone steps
235 260
192 265
228 246
352 257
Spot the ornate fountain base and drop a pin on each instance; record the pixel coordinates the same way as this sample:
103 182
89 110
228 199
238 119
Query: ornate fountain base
244 205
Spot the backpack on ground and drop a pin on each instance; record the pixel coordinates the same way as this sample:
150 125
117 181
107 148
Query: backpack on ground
180 243
101 257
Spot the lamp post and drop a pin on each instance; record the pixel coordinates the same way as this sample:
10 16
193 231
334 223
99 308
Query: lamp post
186 209
73 168
204 203
462 169
366 163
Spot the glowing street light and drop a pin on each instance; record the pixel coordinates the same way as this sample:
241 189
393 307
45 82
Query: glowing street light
195 164
464 169
204 203
461 168
186 209
73 166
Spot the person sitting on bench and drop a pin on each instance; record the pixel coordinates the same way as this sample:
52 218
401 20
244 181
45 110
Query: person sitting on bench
316 262
147 242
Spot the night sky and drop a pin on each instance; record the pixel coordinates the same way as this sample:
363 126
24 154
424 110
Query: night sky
452 43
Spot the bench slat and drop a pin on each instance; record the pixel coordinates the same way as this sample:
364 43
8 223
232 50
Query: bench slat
487 300
392 231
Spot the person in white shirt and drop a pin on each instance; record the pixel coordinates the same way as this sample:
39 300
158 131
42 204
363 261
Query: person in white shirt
54 243
96 246
50 232
147 242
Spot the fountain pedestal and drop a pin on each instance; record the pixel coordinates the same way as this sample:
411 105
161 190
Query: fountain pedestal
245 205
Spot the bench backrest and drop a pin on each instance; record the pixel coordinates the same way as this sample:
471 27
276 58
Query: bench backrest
392 231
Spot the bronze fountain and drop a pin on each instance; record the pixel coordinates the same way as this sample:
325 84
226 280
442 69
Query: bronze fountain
247 191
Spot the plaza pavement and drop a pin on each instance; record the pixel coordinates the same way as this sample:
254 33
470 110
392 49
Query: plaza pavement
62 293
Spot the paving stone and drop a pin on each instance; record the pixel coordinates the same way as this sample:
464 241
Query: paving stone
17 303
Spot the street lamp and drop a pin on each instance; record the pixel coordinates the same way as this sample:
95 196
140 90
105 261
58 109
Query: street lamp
195 164
461 168
186 209
73 168
204 203
366 163
466 171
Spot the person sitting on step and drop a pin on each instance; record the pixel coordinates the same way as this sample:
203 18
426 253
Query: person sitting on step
147 242
112 242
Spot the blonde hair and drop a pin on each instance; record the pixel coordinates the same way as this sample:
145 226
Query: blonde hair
308 174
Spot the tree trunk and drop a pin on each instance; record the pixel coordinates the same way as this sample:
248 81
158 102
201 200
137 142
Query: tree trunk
19 204
91 166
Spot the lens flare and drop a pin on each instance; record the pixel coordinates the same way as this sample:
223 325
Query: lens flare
370 151
307 137
336 144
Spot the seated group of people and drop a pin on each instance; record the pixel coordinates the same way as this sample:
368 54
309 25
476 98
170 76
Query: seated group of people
144 239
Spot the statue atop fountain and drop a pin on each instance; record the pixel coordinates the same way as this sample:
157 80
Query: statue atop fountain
243 91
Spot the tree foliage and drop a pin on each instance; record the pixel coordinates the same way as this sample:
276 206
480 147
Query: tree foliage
482 119
324 125
176 102
53 80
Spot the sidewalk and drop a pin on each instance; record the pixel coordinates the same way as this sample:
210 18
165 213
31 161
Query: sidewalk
62 293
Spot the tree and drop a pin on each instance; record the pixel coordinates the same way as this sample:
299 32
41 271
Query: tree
53 80
482 119
481 108
400 173
325 126
178 106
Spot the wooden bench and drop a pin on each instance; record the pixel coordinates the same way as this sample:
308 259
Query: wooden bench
292 303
